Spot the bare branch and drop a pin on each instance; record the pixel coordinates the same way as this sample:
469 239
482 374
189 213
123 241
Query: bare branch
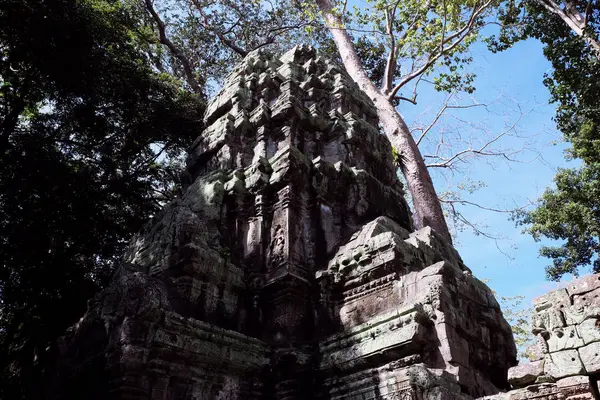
445 107
448 162
458 215
145 164
391 64
231 44
207 24
285 28
177 53
470 203
233 26
459 218
435 120
274 32
412 100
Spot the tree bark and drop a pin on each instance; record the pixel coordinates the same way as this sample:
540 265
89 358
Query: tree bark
575 20
175 51
427 207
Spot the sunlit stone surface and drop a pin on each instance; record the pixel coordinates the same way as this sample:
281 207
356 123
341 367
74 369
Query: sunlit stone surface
566 354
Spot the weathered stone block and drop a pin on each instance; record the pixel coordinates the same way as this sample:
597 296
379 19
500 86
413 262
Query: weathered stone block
453 347
567 333
572 381
548 319
587 299
563 363
557 298
590 357
563 339
525 374
575 315
584 284
589 330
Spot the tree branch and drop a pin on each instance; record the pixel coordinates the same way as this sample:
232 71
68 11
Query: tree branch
470 203
459 35
391 64
237 49
445 107
574 20
270 38
346 49
412 100
447 163
177 53
435 120
427 207
390 67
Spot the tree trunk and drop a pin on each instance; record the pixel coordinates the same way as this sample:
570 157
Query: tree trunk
426 204
578 26
575 20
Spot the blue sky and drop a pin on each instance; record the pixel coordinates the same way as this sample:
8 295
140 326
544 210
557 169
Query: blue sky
510 266
515 268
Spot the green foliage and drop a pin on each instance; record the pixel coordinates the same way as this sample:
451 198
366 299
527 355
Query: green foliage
210 34
396 156
518 317
95 115
422 31
568 213
89 133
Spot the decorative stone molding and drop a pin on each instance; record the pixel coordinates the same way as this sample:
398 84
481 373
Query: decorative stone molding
289 268
566 324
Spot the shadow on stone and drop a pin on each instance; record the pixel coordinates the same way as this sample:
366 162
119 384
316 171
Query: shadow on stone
290 268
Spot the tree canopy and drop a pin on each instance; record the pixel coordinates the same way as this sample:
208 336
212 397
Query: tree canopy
91 137
100 98
570 211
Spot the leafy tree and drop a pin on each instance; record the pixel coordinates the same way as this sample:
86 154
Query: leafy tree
90 139
211 37
580 16
98 101
519 318
569 212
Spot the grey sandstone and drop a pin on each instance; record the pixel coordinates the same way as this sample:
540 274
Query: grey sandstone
566 324
290 269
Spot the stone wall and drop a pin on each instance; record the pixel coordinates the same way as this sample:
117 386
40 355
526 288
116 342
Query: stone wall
289 268
566 356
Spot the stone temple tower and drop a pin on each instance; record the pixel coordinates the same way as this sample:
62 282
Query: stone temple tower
289 268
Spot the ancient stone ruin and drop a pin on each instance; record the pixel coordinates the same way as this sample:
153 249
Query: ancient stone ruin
289 268
566 356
